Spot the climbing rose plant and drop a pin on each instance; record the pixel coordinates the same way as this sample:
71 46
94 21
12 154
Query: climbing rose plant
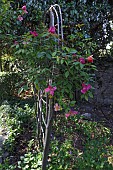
66 67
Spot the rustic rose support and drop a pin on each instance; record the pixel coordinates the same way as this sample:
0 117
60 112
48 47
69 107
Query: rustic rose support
45 117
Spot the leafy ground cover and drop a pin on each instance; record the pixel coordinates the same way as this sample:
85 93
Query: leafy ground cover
76 143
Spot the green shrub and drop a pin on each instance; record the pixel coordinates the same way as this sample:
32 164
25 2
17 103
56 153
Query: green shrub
30 161
81 145
18 122
8 84
94 156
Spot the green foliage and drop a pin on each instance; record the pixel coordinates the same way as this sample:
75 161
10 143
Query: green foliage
6 166
76 144
86 18
16 121
41 60
94 156
19 122
7 84
82 145
60 156
30 161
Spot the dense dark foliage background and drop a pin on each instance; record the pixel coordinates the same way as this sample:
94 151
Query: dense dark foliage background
92 18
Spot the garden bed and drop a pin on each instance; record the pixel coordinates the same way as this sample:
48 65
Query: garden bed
76 143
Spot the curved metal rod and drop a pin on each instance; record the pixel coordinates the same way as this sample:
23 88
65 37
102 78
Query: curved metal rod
53 8
61 20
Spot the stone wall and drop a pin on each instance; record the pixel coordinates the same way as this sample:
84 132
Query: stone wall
100 108
104 84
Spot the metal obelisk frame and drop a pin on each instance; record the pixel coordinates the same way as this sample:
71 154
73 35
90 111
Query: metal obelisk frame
58 14
45 118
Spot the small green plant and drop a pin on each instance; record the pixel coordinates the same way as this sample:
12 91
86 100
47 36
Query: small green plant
6 165
30 161
61 155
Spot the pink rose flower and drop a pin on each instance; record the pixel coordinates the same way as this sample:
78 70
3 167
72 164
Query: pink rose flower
71 113
34 33
57 107
24 9
85 88
82 60
20 18
51 89
52 30
90 59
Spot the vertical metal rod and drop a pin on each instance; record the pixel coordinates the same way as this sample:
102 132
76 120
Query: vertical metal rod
57 24
46 108
47 136
39 119
61 21
52 7
51 18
